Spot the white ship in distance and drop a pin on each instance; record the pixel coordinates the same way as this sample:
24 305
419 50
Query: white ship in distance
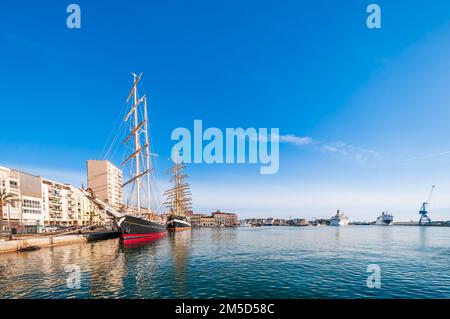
385 219
339 219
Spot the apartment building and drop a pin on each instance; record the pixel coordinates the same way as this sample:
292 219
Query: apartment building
216 219
40 202
105 179
225 219
9 182
30 190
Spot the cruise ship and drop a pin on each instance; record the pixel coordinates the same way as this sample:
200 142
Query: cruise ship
339 219
385 219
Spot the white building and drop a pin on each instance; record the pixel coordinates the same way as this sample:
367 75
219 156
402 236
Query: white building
42 202
105 179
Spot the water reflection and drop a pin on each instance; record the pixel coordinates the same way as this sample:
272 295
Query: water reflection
423 236
241 263
180 244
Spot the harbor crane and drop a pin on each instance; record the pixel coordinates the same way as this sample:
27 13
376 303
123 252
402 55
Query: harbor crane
423 211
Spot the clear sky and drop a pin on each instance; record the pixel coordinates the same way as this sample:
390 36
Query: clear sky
373 104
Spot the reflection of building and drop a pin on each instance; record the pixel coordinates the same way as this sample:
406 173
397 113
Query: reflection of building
217 219
105 180
40 201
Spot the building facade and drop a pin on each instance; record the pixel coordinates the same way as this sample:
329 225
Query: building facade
40 202
105 179
225 219
66 205
216 219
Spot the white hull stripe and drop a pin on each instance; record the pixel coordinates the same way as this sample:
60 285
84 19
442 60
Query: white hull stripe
179 221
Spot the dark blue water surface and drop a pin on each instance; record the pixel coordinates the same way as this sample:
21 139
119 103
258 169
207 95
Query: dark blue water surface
266 262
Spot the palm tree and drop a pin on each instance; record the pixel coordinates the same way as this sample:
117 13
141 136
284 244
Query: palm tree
91 215
5 199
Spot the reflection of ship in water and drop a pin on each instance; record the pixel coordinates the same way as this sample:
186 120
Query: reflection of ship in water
180 242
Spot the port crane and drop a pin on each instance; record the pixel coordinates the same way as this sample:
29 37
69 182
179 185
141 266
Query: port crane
423 210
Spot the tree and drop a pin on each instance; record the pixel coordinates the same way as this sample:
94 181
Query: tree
5 199
92 214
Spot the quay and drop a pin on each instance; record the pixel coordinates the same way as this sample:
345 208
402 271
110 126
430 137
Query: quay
21 243
431 224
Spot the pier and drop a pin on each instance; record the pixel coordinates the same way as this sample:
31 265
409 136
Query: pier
22 243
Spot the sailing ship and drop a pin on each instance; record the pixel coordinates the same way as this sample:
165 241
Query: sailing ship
178 200
133 219
339 219
134 224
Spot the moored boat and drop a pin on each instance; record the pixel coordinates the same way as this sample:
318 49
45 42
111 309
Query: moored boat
339 219
178 200
176 223
385 219
134 229
133 219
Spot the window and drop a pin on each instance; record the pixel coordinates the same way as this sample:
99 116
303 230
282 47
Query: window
31 203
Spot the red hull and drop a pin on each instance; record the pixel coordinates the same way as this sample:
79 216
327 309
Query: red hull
141 238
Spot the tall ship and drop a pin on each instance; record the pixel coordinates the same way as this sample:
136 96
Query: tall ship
339 219
179 200
135 219
385 219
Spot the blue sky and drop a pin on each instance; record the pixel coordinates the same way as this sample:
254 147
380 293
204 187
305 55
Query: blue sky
374 102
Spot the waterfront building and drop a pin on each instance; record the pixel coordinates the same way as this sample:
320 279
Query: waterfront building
9 182
216 219
68 206
105 179
30 191
225 219
208 221
298 222
196 219
40 202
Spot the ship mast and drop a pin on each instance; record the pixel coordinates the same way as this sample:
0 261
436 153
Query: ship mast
178 197
138 119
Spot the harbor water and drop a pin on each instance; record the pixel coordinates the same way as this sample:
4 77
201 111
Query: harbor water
263 262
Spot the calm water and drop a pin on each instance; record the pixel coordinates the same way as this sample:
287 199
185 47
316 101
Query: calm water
267 262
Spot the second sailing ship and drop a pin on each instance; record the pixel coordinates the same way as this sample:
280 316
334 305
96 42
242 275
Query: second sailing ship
178 200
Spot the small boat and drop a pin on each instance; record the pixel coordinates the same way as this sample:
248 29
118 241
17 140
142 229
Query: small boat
29 248
385 219
339 219
245 224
